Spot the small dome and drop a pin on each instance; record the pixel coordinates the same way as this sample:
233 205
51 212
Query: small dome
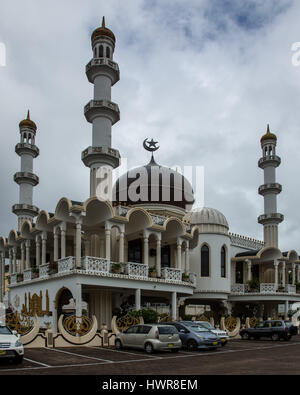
28 122
155 184
268 136
103 31
206 216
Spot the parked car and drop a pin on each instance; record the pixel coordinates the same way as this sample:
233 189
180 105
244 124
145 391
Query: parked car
218 332
151 337
194 336
274 329
11 346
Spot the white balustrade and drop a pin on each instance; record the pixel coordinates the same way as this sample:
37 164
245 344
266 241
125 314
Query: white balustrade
13 279
268 288
65 265
44 270
193 278
171 274
291 289
138 270
95 265
238 288
27 275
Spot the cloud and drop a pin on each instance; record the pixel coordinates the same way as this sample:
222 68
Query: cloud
202 77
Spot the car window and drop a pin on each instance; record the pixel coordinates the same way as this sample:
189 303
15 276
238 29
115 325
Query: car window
132 329
277 324
144 329
167 330
206 325
267 324
4 330
197 328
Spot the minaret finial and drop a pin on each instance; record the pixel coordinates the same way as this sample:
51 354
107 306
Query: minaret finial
268 129
103 21
28 115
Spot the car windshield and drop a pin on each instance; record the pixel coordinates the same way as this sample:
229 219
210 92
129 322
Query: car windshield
206 325
197 328
4 330
288 323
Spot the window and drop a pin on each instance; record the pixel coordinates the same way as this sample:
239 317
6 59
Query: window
107 52
223 262
205 261
167 330
239 273
144 330
132 329
135 251
101 51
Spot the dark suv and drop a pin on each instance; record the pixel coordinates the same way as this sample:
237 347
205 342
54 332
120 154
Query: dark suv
275 329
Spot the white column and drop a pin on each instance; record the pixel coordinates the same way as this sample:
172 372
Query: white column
276 273
55 244
44 247
294 274
138 299
146 250
286 309
78 300
107 243
22 257
78 243
37 251
187 259
28 254
158 258
63 229
178 255
283 274
2 269
14 261
174 306
249 273
298 273
121 247
10 256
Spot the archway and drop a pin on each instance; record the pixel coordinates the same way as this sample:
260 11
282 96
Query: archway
62 298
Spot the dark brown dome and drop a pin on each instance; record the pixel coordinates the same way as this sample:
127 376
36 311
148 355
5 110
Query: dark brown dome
103 31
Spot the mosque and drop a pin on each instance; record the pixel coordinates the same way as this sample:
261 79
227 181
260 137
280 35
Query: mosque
139 241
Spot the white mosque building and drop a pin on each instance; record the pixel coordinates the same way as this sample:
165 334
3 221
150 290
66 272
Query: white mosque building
105 252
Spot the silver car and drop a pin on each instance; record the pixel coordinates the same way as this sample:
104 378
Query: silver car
149 337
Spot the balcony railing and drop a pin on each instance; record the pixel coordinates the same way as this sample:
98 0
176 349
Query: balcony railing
65 265
138 270
95 265
44 270
268 288
264 289
291 289
171 274
239 288
13 279
28 275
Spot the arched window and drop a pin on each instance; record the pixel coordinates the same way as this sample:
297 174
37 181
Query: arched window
223 262
205 261
107 52
101 51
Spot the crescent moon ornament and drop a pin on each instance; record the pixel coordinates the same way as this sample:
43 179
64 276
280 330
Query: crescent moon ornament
150 145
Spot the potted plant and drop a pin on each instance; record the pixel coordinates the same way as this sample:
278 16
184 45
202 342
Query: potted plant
298 288
152 271
53 268
280 288
35 272
20 277
254 285
185 277
116 267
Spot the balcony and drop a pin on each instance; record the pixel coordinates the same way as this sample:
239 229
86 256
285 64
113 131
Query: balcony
270 218
95 265
136 270
26 177
102 66
102 108
171 274
269 160
28 276
264 289
270 188
44 270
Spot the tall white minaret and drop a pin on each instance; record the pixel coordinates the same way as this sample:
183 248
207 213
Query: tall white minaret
270 189
26 179
103 72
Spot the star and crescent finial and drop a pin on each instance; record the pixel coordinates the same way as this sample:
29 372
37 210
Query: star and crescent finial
150 145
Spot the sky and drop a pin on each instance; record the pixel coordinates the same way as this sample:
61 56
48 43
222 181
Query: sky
202 77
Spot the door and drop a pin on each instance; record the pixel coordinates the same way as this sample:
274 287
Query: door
129 337
183 333
141 335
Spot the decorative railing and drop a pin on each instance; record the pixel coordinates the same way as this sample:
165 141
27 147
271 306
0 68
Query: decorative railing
268 288
136 269
193 278
65 265
27 275
171 274
291 289
44 270
95 265
158 219
13 279
102 61
247 242
239 288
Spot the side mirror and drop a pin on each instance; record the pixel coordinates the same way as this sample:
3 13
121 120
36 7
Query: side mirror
182 331
15 333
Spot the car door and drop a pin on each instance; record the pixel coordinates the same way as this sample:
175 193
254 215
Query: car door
141 335
129 337
183 333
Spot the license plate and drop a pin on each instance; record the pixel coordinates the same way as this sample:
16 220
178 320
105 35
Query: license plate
170 345
215 343
2 352
223 340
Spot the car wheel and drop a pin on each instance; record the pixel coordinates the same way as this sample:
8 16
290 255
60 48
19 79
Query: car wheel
118 345
288 337
174 350
149 348
192 345
275 337
18 360
245 336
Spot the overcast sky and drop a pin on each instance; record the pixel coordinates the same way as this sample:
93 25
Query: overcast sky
203 77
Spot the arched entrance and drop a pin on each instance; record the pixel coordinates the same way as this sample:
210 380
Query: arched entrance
62 298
